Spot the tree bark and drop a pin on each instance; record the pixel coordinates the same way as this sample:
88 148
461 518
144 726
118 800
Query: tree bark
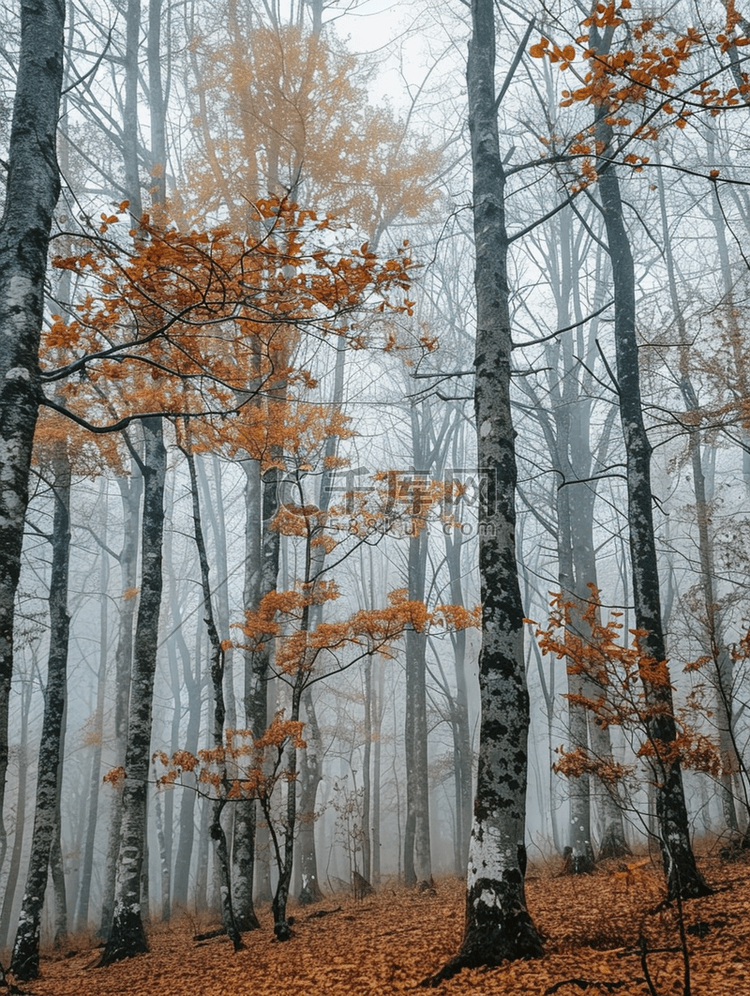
680 868
14 867
498 925
459 711
127 936
245 819
310 775
95 779
25 959
32 188
417 856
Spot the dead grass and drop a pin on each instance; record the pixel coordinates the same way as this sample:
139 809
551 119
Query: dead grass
390 941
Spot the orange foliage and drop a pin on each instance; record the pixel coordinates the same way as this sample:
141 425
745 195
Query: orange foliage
201 321
278 109
646 65
624 76
617 673
242 767
366 632
55 435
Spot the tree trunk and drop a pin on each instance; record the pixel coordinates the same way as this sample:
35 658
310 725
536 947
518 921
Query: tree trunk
262 568
579 794
245 817
498 925
459 710
14 868
311 773
417 852
192 678
130 124
157 106
57 871
217 680
285 849
377 724
25 959
417 857
32 188
130 493
95 779
682 874
127 936
311 764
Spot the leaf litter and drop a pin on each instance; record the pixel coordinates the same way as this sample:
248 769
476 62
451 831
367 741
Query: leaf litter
389 942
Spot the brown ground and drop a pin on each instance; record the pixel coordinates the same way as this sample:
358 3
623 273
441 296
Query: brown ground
389 942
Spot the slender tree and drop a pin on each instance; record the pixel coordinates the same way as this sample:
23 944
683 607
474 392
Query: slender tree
127 936
683 877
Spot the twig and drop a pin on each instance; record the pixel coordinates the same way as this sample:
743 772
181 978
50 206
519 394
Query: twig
209 934
644 965
319 913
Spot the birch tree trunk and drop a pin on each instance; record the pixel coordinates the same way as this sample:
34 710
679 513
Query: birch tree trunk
25 959
127 936
32 188
262 551
498 925
245 819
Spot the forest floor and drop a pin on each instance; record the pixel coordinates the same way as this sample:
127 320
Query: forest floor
387 943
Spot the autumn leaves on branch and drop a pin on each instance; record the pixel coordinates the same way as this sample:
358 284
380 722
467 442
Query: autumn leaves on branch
641 69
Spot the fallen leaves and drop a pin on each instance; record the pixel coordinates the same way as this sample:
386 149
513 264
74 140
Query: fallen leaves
389 943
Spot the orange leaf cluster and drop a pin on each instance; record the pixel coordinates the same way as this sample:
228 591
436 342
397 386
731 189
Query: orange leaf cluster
242 767
368 631
624 679
579 762
203 321
628 75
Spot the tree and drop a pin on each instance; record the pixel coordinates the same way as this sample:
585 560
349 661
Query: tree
25 960
498 925
281 110
127 936
567 384
32 189
196 310
679 862
217 647
644 69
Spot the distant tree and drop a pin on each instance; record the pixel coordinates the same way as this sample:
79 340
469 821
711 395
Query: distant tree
617 81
